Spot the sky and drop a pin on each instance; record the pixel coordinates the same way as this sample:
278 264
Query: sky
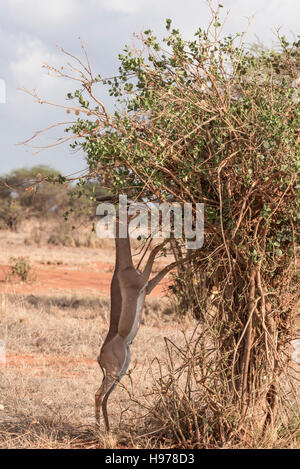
31 30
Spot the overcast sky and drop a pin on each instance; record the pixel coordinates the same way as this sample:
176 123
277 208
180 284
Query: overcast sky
31 29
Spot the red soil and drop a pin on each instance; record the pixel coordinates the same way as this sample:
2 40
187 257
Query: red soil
66 279
47 360
60 278
64 366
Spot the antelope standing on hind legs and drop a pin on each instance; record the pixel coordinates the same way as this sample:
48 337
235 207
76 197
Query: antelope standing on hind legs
128 290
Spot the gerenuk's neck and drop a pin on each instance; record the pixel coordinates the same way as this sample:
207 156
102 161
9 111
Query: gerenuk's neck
123 250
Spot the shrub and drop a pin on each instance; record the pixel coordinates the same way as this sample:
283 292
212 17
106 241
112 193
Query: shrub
20 267
11 214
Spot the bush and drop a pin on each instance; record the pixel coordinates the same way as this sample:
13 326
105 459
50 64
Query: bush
11 214
20 267
191 405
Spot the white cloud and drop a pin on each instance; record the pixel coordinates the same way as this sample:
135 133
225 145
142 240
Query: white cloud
121 6
268 16
26 68
38 11
48 20
26 72
2 91
30 30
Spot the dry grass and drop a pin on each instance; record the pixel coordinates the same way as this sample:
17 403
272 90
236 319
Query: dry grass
193 405
32 239
53 338
51 375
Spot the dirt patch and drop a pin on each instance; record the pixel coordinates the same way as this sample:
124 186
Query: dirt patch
53 278
63 366
47 360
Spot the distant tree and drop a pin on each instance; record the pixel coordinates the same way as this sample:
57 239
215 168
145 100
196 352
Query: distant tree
41 191
25 192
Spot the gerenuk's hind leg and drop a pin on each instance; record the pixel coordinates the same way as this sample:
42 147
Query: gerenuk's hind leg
107 383
107 394
114 360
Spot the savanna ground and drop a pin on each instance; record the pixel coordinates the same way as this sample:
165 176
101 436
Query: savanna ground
53 326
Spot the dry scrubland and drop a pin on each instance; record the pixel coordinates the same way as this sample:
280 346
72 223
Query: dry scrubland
53 331
218 122
51 375
53 338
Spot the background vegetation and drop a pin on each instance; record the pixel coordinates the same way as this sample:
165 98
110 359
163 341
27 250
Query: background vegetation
38 194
